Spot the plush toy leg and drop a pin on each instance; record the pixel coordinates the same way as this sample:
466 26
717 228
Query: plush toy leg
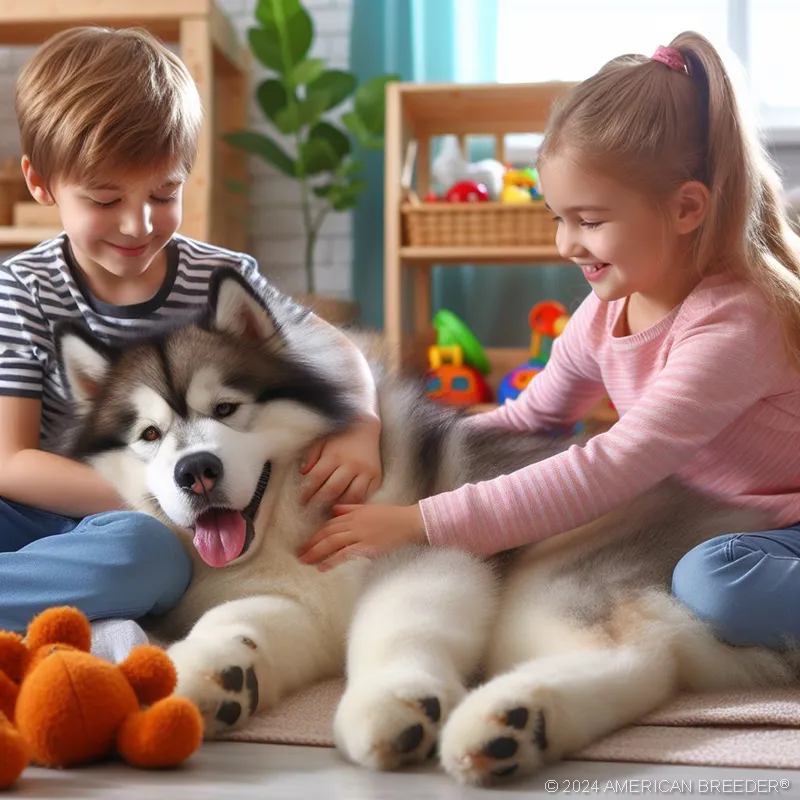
13 753
9 692
163 735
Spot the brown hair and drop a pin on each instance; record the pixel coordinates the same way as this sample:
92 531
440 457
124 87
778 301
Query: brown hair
654 128
95 100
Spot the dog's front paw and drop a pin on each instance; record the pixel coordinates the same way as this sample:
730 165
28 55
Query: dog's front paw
384 726
220 678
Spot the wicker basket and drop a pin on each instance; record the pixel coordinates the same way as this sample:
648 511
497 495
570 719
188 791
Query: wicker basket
477 224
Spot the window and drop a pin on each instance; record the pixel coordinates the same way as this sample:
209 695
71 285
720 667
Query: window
571 39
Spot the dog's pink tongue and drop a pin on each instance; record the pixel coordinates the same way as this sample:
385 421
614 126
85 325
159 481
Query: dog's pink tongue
219 536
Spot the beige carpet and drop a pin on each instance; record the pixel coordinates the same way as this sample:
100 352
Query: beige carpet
745 729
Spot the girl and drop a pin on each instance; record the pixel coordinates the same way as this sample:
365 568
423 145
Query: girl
671 209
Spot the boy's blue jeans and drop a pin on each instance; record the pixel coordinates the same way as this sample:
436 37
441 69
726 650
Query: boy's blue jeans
117 564
746 584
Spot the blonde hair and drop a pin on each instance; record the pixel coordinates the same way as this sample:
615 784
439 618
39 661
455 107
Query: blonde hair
94 101
654 128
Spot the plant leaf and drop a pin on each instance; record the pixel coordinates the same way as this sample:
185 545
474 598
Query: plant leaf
370 103
266 47
356 126
272 97
325 148
324 190
307 71
343 203
311 110
285 36
351 168
266 148
289 120
331 88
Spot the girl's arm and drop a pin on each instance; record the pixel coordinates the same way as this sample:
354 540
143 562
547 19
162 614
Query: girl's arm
344 468
568 387
716 369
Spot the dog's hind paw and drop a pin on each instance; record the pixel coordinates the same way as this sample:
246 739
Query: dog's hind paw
385 727
222 684
488 739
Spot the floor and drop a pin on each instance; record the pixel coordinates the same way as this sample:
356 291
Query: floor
234 770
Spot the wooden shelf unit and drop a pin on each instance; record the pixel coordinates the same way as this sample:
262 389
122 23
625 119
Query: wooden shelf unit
219 64
420 112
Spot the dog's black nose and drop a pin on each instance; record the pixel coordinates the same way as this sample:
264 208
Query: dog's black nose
198 472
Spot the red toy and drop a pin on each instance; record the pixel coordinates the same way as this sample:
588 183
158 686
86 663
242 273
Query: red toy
547 321
455 383
467 192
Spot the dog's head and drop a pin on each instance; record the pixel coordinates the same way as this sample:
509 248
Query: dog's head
183 424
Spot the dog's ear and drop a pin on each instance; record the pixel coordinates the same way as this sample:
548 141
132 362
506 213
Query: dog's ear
236 309
83 360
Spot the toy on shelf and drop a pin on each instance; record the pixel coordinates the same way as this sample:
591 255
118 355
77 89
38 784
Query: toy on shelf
452 330
467 192
450 167
520 186
456 362
547 321
453 382
61 706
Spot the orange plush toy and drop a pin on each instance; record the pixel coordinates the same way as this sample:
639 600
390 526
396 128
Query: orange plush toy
61 706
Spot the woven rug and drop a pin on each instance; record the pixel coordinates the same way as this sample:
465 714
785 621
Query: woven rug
733 729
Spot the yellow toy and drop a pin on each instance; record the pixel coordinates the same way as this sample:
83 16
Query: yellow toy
61 706
520 186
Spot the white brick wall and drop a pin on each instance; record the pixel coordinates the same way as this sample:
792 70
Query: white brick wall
276 227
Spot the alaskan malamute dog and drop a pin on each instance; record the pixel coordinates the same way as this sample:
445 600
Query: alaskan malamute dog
505 663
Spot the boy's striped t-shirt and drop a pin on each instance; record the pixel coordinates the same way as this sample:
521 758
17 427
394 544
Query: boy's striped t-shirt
42 286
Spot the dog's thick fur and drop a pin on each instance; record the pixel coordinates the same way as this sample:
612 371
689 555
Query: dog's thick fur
568 639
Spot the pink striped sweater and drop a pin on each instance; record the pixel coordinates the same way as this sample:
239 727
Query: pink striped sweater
706 393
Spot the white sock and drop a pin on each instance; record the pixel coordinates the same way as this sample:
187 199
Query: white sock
113 639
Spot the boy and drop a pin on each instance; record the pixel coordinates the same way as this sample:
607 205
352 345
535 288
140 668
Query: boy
109 121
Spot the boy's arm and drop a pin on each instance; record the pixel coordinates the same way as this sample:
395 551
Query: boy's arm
44 480
28 474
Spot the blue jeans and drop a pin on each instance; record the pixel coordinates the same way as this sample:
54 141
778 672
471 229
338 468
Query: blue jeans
747 585
116 564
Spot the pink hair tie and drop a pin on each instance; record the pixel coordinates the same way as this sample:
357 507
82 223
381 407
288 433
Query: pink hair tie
671 57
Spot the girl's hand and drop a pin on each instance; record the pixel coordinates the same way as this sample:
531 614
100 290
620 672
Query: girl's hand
363 532
345 468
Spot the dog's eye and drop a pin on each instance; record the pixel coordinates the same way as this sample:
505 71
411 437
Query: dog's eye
150 434
222 410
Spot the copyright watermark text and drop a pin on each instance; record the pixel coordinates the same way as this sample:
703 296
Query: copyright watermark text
666 786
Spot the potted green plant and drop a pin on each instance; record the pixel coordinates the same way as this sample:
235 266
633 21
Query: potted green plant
298 100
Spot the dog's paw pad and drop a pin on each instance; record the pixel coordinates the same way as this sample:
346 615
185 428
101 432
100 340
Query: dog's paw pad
432 708
228 712
517 718
505 772
502 747
251 684
410 739
232 679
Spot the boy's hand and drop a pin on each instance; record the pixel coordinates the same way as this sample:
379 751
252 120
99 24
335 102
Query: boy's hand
345 468
362 532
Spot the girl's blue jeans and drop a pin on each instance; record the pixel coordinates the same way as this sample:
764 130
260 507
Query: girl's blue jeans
747 585
117 564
